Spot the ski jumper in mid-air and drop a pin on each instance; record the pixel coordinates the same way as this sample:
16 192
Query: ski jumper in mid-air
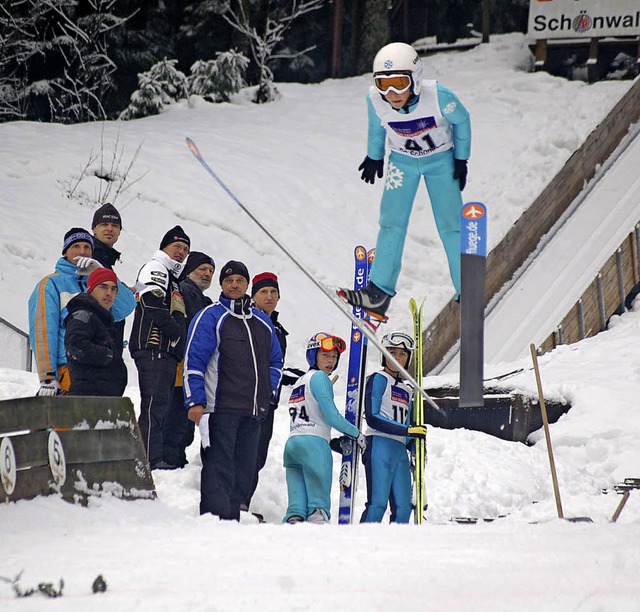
429 134
389 427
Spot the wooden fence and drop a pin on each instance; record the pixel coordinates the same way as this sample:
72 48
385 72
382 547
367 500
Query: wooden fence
77 447
605 296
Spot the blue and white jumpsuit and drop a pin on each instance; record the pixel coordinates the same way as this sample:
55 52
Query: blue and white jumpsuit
386 460
307 454
424 140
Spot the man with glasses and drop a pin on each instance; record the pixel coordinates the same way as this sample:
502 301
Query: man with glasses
178 432
429 134
387 408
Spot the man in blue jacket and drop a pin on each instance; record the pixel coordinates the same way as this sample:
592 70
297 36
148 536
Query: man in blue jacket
232 369
48 309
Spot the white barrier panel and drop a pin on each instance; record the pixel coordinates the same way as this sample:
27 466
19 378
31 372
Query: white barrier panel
14 348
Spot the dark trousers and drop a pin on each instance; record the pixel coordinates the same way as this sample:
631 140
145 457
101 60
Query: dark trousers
228 464
156 377
266 432
178 431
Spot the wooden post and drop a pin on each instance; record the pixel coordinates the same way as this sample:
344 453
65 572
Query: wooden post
336 42
486 20
541 54
547 434
593 69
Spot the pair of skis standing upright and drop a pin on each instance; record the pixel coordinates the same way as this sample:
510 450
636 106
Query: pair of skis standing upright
473 251
355 401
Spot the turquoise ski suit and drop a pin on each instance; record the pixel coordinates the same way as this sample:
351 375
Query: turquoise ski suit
419 156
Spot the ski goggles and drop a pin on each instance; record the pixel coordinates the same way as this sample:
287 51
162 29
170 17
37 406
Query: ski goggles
327 344
398 340
394 82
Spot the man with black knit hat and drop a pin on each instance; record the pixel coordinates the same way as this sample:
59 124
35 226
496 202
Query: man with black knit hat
232 369
48 309
178 430
106 227
158 337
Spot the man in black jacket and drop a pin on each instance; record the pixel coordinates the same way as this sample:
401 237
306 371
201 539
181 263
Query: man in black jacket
94 356
178 429
265 292
106 227
158 337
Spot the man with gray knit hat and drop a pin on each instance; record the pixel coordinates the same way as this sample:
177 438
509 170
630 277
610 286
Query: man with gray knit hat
232 369
157 338
178 430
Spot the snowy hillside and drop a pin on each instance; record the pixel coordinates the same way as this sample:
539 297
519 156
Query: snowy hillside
294 164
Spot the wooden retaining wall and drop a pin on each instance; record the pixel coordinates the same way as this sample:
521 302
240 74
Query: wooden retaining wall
521 240
604 297
77 447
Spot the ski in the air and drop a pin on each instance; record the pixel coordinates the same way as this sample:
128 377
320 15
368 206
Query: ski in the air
346 310
374 319
420 448
348 479
473 255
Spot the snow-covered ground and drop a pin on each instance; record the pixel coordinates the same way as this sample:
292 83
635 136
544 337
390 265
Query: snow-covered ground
293 163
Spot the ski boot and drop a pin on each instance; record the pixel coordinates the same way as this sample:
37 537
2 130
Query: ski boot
373 300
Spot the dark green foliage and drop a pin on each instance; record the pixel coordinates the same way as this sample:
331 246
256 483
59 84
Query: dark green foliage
54 59
80 60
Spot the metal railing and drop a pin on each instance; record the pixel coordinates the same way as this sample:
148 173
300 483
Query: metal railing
15 352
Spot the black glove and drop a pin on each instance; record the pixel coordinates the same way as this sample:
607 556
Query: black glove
291 375
460 172
371 167
342 445
417 431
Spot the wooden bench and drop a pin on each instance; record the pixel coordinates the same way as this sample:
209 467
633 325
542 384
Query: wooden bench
77 447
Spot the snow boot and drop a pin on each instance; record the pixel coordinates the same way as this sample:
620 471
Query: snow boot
292 520
371 298
318 517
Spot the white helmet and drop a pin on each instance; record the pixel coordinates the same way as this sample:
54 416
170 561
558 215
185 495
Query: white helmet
401 340
399 58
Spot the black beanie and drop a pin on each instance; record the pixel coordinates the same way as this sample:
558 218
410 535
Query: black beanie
107 213
76 234
234 267
195 260
175 234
